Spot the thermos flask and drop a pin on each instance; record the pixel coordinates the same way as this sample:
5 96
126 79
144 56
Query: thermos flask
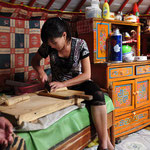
116 47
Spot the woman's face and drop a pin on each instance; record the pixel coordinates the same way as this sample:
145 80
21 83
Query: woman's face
58 43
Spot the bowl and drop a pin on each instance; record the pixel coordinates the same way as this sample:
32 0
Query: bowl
128 57
126 49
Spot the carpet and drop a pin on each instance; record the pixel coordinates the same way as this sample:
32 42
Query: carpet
139 140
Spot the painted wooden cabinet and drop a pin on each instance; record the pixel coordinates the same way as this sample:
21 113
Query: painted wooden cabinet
128 83
97 32
129 87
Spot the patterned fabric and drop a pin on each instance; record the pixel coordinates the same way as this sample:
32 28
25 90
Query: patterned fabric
66 68
21 11
18 144
19 40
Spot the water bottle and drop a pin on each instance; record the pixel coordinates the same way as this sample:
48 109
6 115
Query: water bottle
116 47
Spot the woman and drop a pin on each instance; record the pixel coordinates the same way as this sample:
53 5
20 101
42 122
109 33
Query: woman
70 66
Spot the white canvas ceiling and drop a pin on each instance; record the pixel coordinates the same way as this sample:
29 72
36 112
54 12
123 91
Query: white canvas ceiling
72 4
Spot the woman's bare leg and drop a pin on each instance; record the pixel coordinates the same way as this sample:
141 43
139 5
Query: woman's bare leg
109 144
99 115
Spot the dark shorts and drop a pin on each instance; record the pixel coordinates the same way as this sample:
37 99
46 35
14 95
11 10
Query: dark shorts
91 88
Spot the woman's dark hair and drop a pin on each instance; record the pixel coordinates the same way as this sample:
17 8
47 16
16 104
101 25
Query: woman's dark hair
54 28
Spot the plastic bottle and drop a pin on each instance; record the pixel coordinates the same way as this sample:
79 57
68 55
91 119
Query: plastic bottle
95 3
106 10
116 47
136 11
94 10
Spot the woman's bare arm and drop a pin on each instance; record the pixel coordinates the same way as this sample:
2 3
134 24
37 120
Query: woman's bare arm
35 62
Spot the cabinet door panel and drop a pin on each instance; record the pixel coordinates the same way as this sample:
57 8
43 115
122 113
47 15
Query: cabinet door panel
142 88
100 50
123 96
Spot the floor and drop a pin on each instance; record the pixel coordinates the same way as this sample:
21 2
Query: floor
139 140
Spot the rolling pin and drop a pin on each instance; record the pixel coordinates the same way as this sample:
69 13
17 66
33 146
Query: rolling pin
16 99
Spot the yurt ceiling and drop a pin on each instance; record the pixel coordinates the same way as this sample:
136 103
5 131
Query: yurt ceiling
125 6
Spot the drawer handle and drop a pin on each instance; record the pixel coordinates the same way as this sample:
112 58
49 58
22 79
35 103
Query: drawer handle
134 113
121 72
145 69
135 93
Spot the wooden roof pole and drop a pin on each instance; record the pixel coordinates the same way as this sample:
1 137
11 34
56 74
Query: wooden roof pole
147 11
123 5
110 2
139 2
31 2
65 5
49 4
12 1
79 5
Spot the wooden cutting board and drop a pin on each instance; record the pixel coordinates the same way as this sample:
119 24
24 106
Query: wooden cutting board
36 107
66 94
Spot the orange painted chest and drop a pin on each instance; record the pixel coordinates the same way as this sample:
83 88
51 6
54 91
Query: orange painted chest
129 87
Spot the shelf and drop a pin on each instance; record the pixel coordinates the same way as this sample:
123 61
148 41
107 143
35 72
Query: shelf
117 22
129 41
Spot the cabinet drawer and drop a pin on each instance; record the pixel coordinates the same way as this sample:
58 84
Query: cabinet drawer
120 72
128 122
142 69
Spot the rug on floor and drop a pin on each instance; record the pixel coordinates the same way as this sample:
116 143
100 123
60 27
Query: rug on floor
139 140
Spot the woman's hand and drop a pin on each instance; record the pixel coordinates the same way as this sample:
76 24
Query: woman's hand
56 85
43 77
36 65
6 130
3 140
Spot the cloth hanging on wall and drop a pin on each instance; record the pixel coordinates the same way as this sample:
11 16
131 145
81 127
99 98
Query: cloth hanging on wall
19 41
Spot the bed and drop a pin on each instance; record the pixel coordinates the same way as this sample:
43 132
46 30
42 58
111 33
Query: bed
72 131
